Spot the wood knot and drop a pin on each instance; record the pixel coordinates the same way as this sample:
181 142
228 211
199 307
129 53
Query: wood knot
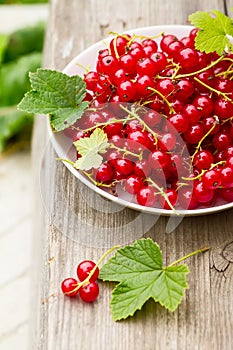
222 259
227 252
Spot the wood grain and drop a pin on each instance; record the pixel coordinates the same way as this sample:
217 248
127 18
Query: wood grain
204 320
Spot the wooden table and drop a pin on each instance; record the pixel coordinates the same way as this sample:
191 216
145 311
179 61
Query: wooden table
204 320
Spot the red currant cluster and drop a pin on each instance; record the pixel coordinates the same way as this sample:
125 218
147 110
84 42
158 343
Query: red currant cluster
87 288
167 110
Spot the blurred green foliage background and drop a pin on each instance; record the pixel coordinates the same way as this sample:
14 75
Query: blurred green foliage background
9 2
20 53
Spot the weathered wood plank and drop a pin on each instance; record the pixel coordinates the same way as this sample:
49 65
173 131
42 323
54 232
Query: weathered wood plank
205 317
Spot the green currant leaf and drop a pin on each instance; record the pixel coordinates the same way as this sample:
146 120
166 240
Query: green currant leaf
139 270
216 31
90 149
57 94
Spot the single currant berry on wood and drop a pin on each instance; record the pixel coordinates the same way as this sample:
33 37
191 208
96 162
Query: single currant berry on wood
89 292
84 269
68 286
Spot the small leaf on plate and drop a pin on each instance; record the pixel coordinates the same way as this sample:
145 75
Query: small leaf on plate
88 161
90 149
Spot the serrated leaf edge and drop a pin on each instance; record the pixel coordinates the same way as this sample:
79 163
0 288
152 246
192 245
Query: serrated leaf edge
118 251
151 297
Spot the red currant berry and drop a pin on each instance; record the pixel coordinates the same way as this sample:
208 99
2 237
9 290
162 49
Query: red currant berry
226 194
166 87
126 90
137 53
223 85
160 61
202 193
152 118
186 198
117 140
207 77
89 292
107 65
133 125
128 63
187 41
229 162
166 41
188 58
184 89
223 108
91 79
151 43
146 196
104 173
143 83
203 159
93 118
118 45
221 141
133 183
226 174
68 285
228 152
123 166
145 66
208 123
204 104
84 269
103 53
139 139
167 141
142 168
113 129
191 113
212 179
171 197
174 48
159 159
194 133
179 122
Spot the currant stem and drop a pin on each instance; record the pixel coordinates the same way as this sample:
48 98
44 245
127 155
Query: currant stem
96 183
87 280
163 97
161 191
203 138
86 68
219 93
135 115
112 121
203 171
202 250
195 177
125 151
66 160
179 76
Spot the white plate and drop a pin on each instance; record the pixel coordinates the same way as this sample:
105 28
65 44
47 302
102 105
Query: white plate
62 144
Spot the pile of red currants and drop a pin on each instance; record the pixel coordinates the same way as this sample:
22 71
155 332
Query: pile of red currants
167 110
